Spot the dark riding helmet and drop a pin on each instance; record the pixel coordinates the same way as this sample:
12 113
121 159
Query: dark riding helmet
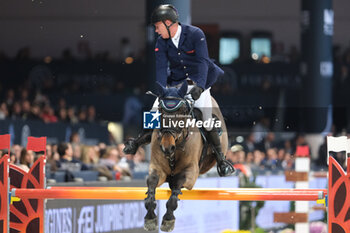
165 12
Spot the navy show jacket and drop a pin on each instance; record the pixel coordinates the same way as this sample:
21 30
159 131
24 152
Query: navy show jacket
189 60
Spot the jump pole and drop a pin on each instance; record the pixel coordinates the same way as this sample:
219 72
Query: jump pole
133 193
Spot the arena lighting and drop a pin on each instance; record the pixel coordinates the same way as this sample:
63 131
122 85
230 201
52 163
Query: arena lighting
255 56
48 59
239 139
129 60
265 59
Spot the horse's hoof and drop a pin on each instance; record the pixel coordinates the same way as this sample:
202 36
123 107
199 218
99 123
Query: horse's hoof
150 224
167 225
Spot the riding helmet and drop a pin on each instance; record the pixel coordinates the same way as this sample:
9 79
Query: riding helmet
165 12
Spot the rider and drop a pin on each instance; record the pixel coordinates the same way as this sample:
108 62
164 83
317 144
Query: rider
184 47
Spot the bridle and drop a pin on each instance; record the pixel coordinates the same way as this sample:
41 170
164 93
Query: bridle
176 133
180 135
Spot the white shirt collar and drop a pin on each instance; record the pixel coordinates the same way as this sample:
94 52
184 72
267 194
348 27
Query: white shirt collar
176 38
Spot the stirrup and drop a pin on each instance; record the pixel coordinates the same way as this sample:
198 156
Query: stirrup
225 168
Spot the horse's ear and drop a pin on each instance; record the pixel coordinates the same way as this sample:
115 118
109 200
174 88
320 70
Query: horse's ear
183 89
160 90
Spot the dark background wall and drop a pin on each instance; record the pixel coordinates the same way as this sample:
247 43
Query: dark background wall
47 27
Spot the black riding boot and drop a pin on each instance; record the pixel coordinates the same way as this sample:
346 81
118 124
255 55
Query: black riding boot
224 167
132 144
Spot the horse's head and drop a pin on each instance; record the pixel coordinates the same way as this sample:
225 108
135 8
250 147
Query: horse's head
174 108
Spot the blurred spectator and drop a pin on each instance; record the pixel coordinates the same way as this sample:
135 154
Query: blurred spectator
271 162
249 159
26 109
299 140
249 144
10 98
120 148
41 99
259 159
90 157
288 162
288 147
52 159
73 119
281 154
240 154
74 139
67 162
27 159
16 149
48 115
77 151
62 115
102 148
123 161
236 155
140 163
268 142
91 114
62 103
261 129
16 113
82 117
4 113
111 160
34 113
231 157
24 95
13 159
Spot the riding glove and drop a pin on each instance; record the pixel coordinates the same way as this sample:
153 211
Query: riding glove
196 92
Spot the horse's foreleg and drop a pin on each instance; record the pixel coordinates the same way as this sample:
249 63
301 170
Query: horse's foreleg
176 184
151 223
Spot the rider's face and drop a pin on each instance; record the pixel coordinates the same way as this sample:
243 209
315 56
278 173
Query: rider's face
161 30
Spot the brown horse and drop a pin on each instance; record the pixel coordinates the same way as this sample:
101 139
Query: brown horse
176 154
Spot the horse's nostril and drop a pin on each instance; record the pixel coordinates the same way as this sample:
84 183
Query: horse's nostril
168 150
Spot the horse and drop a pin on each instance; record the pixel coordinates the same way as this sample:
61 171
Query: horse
176 153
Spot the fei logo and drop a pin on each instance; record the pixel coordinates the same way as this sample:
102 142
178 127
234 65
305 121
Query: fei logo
151 120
